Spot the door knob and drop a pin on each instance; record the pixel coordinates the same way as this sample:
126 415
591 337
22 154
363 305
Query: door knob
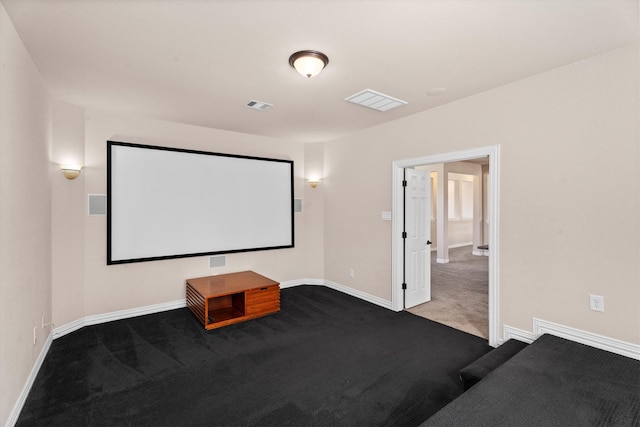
428 242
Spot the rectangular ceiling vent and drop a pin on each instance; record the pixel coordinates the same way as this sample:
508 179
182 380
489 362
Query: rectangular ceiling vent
257 105
376 100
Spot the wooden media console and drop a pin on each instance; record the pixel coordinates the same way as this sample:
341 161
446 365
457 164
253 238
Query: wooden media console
231 298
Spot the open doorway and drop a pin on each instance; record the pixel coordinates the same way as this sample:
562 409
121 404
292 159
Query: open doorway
490 153
459 293
459 226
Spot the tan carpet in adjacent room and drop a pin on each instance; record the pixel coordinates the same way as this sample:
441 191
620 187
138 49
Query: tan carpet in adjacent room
459 292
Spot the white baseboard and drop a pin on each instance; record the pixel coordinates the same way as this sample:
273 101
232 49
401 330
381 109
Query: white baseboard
539 327
594 340
156 308
359 294
299 282
116 315
480 252
509 332
460 245
22 398
338 287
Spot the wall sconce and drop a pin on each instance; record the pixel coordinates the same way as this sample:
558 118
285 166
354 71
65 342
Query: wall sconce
313 182
70 171
309 63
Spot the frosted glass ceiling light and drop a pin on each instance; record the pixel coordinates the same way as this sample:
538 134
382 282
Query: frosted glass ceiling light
308 62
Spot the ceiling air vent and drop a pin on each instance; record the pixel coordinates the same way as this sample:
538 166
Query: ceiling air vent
257 105
376 100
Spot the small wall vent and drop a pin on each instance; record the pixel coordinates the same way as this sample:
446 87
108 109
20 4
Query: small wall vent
97 204
217 261
257 105
375 100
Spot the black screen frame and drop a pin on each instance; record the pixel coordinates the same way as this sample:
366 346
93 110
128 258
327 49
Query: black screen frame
111 261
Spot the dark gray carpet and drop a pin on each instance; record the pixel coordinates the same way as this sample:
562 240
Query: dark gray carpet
325 359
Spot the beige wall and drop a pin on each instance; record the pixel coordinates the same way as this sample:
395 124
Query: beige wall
566 230
67 214
313 209
569 168
460 232
25 214
117 287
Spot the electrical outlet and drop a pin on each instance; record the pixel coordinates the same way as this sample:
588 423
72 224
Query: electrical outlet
35 335
352 273
596 302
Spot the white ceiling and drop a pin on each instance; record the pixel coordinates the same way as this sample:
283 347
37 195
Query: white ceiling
200 62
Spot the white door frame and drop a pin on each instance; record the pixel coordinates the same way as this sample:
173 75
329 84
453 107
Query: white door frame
493 152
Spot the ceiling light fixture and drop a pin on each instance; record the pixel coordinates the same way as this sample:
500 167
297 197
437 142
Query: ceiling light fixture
309 63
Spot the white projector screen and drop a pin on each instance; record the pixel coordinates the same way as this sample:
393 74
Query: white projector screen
171 203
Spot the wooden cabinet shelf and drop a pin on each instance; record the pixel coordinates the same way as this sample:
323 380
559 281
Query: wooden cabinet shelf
230 298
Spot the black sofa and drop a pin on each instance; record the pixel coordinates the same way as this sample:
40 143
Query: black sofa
551 382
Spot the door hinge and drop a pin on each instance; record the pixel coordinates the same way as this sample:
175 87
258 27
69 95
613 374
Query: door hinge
404 182
404 286
404 234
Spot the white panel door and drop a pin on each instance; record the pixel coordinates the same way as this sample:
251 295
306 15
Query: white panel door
417 244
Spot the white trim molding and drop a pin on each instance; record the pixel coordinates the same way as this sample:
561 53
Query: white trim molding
397 213
150 309
171 305
509 332
594 340
480 252
338 287
299 282
602 342
116 315
460 245
359 294
22 398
